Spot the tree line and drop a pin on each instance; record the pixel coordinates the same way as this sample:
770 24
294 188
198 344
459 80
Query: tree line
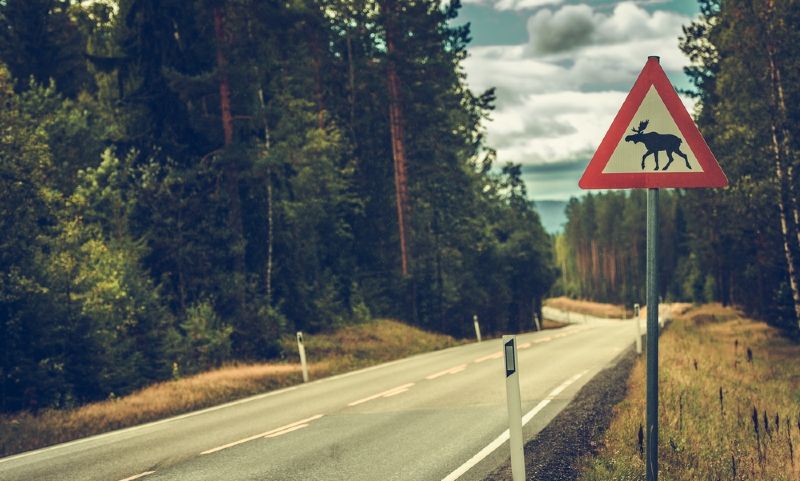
184 182
738 245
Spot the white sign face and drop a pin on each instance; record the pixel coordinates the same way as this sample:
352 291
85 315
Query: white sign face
660 130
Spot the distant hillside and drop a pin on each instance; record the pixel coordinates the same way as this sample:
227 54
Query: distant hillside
552 214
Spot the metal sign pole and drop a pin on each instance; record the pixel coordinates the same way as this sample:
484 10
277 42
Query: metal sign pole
652 335
514 408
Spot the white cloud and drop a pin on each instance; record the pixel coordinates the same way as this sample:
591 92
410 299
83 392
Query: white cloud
534 4
558 94
579 25
513 4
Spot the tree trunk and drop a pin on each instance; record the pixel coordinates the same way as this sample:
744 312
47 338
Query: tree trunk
782 152
268 177
351 88
318 88
787 237
270 235
231 173
396 126
224 85
779 102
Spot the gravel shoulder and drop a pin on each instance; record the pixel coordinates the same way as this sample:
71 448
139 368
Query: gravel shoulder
576 431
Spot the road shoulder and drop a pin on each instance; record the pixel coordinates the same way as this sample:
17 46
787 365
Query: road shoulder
577 430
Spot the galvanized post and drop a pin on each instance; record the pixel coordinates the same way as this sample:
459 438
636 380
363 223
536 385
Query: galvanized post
652 335
477 327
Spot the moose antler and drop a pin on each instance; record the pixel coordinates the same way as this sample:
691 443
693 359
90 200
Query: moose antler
642 126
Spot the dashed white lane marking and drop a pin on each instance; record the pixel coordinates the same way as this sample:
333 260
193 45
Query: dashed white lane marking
140 475
499 440
452 370
280 430
496 355
389 393
286 431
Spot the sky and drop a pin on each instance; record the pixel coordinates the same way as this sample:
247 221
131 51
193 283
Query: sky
562 69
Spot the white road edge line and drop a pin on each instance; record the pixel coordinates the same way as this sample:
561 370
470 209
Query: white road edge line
263 435
390 392
148 425
257 397
141 475
499 440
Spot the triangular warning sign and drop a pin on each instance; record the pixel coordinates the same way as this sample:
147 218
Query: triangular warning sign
652 142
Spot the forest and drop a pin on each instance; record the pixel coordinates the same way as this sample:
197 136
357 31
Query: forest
738 245
184 182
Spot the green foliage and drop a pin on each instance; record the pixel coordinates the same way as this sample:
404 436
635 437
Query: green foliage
729 245
206 341
602 250
737 232
149 233
40 40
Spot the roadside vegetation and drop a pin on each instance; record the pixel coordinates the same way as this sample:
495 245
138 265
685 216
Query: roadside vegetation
591 308
187 193
349 348
739 245
729 390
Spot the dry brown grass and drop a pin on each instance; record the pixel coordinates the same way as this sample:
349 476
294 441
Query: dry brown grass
702 436
367 344
591 308
349 348
548 324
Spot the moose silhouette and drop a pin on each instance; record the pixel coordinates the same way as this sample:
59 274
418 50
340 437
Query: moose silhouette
655 142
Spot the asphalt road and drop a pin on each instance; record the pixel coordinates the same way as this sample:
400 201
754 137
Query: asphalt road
437 416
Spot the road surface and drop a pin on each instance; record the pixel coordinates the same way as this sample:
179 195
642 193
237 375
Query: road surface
439 416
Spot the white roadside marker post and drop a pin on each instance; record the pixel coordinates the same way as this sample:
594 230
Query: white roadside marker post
477 327
514 408
638 328
302 348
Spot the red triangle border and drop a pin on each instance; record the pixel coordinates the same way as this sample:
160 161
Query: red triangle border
652 74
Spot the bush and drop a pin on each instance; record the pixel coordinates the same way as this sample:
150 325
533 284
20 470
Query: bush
206 341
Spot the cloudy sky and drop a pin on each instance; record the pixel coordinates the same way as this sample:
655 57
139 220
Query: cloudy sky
562 69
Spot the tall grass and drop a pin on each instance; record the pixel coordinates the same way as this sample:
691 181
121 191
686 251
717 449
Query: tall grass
721 416
347 349
589 307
